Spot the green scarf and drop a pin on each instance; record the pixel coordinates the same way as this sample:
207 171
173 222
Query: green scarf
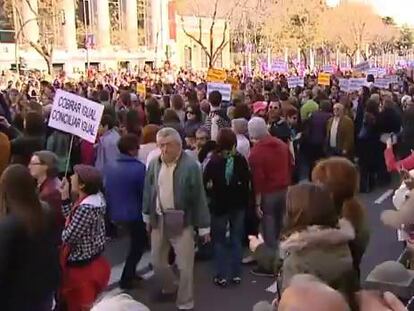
229 169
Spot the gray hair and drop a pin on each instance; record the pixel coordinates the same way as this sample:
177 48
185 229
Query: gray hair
169 132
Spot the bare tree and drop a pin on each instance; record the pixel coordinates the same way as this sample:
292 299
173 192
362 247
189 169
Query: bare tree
351 26
48 19
207 17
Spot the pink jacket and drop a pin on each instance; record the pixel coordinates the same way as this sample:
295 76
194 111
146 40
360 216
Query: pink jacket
394 165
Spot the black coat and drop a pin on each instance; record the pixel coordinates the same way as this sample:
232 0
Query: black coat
23 147
225 198
29 265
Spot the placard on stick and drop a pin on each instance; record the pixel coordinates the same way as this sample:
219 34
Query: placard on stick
324 79
76 115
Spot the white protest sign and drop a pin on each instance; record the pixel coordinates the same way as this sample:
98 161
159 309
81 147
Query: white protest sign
76 115
328 69
364 66
355 84
393 79
382 83
344 85
279 66
223 88
295 81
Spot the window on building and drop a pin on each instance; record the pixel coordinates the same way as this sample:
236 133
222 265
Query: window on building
142 7
6 23
85 21
116 18
188 57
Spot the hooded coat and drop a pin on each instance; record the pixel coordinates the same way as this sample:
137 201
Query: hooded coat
322 252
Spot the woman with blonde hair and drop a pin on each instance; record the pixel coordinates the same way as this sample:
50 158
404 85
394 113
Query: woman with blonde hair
341 178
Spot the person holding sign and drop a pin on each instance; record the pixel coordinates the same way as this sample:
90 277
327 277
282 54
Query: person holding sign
85 272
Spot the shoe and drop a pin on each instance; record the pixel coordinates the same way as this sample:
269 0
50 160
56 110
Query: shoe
220 281
236 280
130 284
248 260
258 271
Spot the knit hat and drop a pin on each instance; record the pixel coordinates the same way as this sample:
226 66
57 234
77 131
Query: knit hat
391 276
257 128
239 126
405 99
49 159
258 106
88 174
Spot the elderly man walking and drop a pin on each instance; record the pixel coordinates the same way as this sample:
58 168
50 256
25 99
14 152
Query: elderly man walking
174 203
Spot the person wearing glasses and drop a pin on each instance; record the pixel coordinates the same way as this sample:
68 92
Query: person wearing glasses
278 126
43 166
192 118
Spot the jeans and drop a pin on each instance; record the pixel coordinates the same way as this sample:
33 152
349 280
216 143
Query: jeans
228 265
273 207
138 236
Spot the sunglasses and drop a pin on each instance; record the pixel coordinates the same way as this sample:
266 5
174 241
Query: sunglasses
273 107
190 112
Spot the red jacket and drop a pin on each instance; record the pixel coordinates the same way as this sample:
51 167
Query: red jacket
394 165
271 165
49 192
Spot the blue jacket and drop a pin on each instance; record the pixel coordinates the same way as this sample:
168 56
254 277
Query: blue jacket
124 185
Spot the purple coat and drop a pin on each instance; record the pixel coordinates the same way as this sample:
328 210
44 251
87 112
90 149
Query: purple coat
317 127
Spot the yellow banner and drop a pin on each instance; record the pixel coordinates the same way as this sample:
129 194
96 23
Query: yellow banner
141 89
216 75
324 79
235 85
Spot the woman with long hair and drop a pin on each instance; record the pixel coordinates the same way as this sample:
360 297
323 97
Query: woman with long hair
227 183
85 272
341 178
29 262
315 239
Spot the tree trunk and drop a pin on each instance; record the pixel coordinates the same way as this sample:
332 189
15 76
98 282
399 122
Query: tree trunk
49 65
351 59
304 57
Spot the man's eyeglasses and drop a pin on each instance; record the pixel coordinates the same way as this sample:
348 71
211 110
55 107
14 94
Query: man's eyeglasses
190 112
201 138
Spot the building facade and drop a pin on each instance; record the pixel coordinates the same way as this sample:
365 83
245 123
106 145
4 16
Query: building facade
107 34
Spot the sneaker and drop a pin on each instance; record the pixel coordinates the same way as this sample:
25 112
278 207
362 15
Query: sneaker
220 281
258 271
248 260
236 280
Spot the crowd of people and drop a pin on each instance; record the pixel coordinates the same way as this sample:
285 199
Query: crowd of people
276 171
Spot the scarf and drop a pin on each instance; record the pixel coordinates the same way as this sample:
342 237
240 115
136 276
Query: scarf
229 167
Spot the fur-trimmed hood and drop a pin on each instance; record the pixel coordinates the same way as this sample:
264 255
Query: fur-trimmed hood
317 236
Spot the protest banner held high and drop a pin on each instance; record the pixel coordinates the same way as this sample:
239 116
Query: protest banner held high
76 115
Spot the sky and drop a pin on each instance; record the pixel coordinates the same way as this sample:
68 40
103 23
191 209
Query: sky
401 10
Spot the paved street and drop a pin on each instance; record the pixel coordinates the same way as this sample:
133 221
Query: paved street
383 246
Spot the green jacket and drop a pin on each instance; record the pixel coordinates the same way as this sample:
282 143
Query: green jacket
189 193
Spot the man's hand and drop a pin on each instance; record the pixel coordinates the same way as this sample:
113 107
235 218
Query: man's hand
206 238
4 122
373 301
148 227
254 242
259 211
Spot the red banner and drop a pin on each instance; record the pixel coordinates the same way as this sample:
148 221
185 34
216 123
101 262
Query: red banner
171 20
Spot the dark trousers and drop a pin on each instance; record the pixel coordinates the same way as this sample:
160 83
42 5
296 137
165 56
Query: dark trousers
273 206
138 237
228 256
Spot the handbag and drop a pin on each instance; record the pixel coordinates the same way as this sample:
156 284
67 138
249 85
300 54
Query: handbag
173 219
